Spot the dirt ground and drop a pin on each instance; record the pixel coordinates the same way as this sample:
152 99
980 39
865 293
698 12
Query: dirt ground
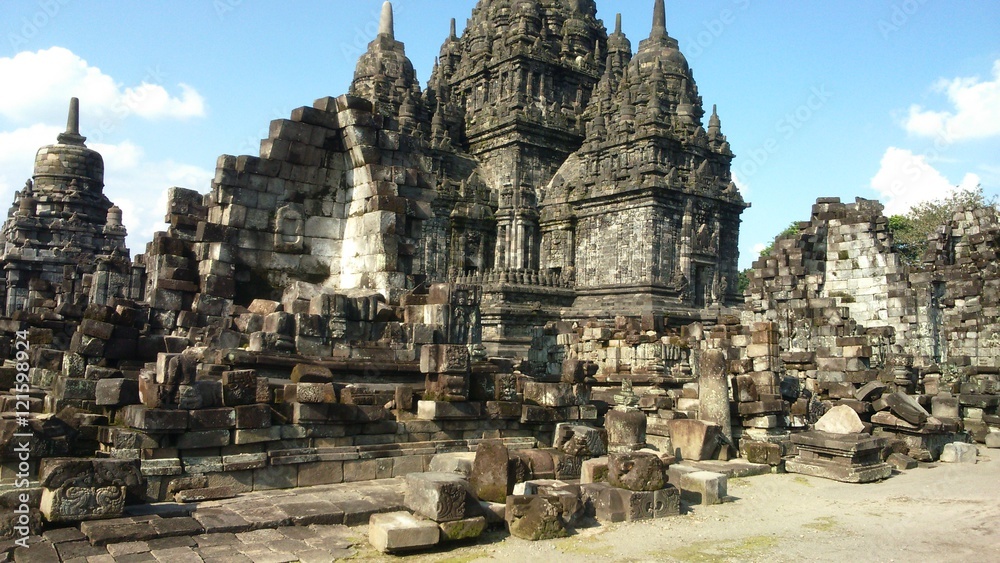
937 512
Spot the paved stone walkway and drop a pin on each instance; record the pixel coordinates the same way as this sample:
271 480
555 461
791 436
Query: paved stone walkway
307 524
310 524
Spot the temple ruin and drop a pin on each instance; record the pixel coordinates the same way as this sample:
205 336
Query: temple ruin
518 283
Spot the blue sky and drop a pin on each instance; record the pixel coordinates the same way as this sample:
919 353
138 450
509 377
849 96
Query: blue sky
897 100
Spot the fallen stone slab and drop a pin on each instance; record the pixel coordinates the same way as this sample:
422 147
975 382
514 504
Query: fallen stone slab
464 529
959 452
103 532
401 531
907 408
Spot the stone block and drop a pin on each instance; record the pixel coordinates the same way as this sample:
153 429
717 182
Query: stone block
704 487
461 463
401 531
442 410
761 452
444 358
252 416
304 392
209 419
156 420
440 497
959 452
239 387
945 406
117 392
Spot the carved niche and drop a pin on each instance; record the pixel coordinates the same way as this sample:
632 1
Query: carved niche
289 229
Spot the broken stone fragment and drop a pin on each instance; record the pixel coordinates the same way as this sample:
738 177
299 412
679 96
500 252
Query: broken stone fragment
636 471
959 452
534 517
581 441
841 420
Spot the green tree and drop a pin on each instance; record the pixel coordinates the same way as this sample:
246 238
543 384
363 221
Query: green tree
910 231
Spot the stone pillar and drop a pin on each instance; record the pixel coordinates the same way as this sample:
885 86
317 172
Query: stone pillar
713 391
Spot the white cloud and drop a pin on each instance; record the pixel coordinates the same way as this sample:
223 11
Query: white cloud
906 179
37 83
35 98
975 113
758 248
17 156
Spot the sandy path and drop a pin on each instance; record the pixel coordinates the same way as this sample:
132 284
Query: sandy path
934 513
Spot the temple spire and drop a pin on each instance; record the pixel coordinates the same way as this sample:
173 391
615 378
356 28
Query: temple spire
714 123
386 26
454 29
659 20
618 23
72 135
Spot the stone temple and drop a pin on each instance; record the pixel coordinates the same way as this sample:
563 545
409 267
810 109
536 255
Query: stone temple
537 165
523 273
